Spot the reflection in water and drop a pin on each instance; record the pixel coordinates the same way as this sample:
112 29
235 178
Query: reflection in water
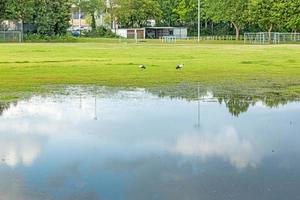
20 149
236 105
226 145
12 187
147 147
237 102
95 115
4 106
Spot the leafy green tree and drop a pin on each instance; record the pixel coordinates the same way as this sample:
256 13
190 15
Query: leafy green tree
170 16
187 11
266 13
136 13
2 10
291 15
234 11
52 16
20 10
49 17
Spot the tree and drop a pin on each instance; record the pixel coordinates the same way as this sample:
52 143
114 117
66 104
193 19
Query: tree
51 17
266 13
111 7
291 15
234 11
20 10
169 15
48 17
92 7
136 13
2 9
187 10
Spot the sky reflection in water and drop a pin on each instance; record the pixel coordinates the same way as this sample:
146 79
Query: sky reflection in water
134 145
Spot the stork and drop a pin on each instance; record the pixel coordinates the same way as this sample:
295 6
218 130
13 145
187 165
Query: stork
142 66
180 66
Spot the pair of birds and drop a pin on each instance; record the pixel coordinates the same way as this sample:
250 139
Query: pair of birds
179 66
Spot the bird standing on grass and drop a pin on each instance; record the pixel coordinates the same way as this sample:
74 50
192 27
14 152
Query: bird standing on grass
180 66
142 66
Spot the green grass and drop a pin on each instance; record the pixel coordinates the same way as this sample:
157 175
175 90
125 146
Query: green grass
28 68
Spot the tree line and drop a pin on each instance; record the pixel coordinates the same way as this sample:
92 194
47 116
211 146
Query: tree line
48 17
51 17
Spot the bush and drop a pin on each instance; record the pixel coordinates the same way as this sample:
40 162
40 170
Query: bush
45 38
100 32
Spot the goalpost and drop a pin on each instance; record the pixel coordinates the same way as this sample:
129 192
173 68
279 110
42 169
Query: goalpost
11 31
11 36
169 39
271 38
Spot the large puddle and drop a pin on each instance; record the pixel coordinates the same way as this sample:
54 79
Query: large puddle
137 145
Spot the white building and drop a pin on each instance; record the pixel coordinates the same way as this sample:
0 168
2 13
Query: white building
152 32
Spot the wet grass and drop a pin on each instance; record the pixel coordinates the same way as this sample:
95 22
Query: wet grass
32 68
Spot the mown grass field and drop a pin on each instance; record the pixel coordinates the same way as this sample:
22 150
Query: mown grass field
27 68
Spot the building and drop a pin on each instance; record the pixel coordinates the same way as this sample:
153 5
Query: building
8 25
80 21
152 32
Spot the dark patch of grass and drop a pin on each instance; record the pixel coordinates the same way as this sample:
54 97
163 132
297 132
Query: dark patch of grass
292 61
247 62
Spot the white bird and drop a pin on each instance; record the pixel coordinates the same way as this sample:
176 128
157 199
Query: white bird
142 66
180 66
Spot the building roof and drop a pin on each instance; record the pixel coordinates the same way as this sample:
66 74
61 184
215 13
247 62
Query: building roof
151 28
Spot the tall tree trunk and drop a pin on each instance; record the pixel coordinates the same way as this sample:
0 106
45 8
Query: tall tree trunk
93 25
116 23
111 15
22 31
237 31
270 32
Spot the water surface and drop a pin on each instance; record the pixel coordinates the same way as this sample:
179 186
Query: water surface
137 145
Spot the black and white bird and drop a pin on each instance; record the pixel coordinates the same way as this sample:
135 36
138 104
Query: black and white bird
180 66
142 66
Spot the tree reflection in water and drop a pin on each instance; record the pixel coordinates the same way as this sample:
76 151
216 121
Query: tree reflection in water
236 102
4 106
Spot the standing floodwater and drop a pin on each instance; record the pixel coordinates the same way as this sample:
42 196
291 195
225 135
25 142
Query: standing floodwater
135 145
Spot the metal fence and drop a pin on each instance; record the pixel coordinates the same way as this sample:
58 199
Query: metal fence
11 31
219 37
271 38
288 37
11 36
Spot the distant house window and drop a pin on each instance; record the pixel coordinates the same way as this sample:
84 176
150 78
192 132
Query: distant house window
76 15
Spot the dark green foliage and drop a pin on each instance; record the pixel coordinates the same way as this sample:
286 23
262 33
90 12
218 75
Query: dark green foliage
291 15
48 17
136 13
51 17
224 17
45 38
235 12
100 32
2 9
266 13
20 10
169 15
